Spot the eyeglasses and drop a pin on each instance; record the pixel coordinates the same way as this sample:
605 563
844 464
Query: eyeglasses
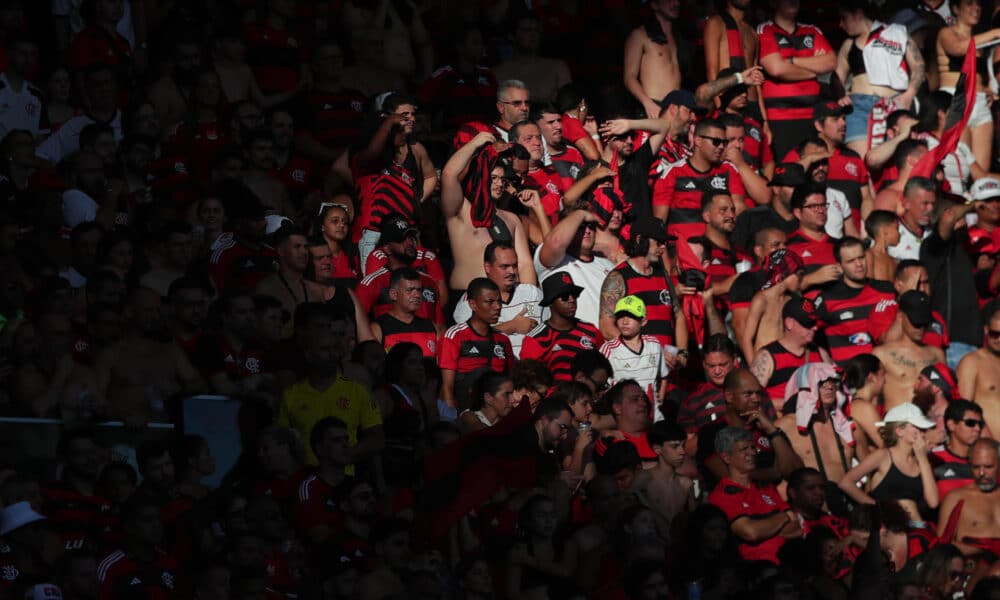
326 205
974 423
823 206
715 141
993 334
516 102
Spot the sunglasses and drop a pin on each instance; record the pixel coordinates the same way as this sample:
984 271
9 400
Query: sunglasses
974 423
327 205
993 334
715 141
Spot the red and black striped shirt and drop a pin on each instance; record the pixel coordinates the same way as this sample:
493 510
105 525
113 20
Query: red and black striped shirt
706 404
80 520
275 56
785 364
333 118
652 289
733 40
848 314
420 332
463 350
373 293
557 348
785 100
680 189
392 189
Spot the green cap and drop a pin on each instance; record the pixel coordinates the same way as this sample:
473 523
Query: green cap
631 306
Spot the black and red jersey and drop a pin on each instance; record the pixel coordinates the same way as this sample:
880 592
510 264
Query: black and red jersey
345 268
373 293
950 470
199 144
567 164
848 314
170 179
573 129
652 289
234 265
704 405
847 173
753 502
756 151
463 350
120 576
811 251
79 519
420 332
297 175
680 189
785 364
551 186
383 191
316 504
333 118
215 355
461 97
785 100
670 152
737 59
722 261
557 348
426 262
275 56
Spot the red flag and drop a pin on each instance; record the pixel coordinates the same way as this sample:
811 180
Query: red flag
956 119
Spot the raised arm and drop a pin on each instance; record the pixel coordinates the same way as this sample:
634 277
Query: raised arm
582 185
452 194
553 249
383 135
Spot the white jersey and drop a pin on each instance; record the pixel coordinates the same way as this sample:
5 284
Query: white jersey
525 296
909 244
22 110
66 141
646 367
588 275
839 211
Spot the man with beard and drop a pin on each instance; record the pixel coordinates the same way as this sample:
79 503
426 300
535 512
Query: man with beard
241 260
401 323
776 215
138 375
472 345
289 285
467 240
398 240
840 215
521 310
233 361
918 198
963 420
569 248
553 418
977 525
557 342
651 67
933 393
725 262
259 172
643 275
852 308
563 157
677 193
979 374
905 358
775 363
735 109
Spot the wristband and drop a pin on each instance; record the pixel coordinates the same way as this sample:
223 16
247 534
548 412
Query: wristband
595 137
739 78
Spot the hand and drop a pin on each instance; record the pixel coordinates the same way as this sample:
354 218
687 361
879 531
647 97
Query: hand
845 101
685 290
767 132
522 323
615 127
589 217
652 108
671 359
589 123
394 120
602 172
753 76
760 420
903 100
707 296
734 155
482 138
920 447
807 160
583 440
529 198
906 125
828 273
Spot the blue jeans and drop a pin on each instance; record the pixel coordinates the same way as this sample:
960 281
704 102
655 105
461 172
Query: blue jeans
857 119
956 350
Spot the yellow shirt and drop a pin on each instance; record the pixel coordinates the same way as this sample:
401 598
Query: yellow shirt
302 406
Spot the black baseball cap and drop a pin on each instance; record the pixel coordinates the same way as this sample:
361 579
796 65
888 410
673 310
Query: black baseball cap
395 228
916 306
829 109
789 174
556 285
681 98
652 228
801 309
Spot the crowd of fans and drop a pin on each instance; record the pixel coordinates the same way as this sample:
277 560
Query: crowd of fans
517 299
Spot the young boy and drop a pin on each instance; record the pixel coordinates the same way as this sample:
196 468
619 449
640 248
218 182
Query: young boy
636 356
666 492
882 226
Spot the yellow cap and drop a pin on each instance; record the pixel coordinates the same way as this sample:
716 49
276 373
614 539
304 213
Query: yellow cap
632 306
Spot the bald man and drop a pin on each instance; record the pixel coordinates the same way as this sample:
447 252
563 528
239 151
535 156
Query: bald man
977 504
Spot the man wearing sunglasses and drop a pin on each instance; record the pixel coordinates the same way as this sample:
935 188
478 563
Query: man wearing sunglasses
677 193
964 421
513 106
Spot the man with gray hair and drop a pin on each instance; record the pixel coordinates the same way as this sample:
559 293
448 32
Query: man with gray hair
513 106
757 515
970 515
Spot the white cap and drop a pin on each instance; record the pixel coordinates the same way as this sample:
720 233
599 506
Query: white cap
985 188
907 413
274 222
17 516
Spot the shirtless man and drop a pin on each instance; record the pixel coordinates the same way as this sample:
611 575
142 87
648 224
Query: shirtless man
651 67
145 369
979 375
468 240
905 358
544 76
667 492
783 276
289 285
835 454
979 520
718 53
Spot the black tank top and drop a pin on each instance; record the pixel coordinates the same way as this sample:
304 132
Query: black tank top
855 60
898 486
342 300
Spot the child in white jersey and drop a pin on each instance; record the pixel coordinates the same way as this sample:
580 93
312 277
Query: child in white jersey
636 356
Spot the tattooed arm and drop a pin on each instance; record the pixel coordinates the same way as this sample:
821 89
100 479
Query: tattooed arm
762 367
612 290
918 72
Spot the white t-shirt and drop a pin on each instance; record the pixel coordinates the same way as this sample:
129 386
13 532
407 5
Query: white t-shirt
23 109
66 141
909 244
838 212
588 275
78 207
525 295
645 366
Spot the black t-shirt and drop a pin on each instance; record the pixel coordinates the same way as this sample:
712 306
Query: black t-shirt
633 178
953 284
753 220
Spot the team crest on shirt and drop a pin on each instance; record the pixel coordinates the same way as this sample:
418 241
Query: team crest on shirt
852 169
587 343
432 346
356 106
406 178
168 580
574 171
754 133
498 352
807 41
551 187
718 183
860 339
665 298
81 346
764 443
767 499
429 295
252 365
10 573
299 175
